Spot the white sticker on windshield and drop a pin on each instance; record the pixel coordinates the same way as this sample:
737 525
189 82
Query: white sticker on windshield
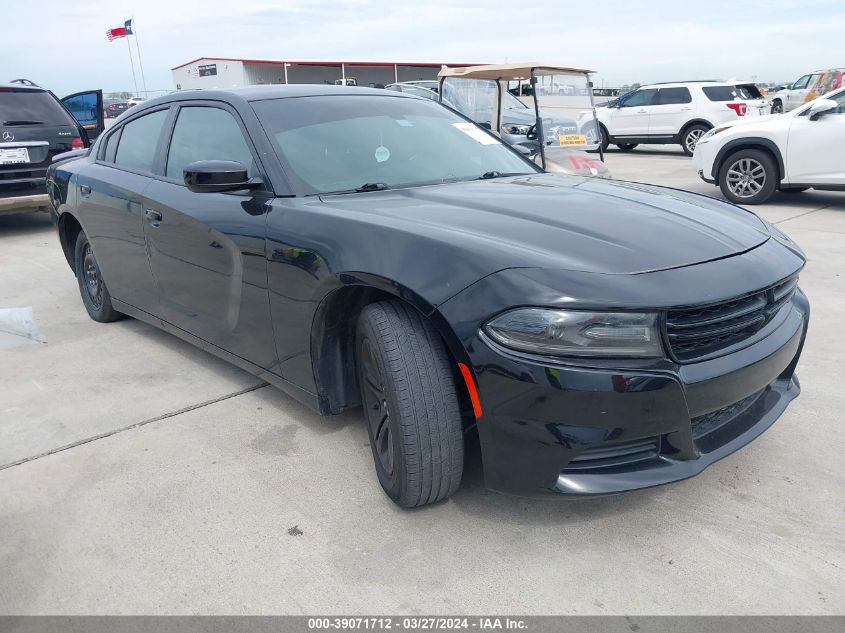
474 132
382 153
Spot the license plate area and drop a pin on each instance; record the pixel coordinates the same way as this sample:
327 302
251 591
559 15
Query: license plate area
14 156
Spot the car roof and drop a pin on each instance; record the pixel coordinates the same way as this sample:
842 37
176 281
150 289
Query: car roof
261 93
698 82
22 87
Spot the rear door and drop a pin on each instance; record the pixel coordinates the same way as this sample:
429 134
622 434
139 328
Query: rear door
814 152
87 108
671 110
111 206
632 116
207 250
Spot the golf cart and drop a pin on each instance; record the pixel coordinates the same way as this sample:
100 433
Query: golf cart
553 122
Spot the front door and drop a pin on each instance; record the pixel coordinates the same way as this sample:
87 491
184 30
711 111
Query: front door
631 118
814 153
797 91
207 250
87 108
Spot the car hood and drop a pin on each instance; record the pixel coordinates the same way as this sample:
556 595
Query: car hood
560 222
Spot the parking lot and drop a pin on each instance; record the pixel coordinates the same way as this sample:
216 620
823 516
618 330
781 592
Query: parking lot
139 474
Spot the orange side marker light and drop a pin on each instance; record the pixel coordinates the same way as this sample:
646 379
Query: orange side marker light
471 389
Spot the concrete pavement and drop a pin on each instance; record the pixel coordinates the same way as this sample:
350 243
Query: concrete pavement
144 476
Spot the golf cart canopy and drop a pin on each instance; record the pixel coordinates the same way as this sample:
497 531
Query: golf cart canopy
511 72
545 111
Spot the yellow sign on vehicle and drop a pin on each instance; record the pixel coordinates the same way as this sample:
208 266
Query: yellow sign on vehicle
571 140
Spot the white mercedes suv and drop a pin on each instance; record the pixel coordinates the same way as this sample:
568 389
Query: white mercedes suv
790 152
680 112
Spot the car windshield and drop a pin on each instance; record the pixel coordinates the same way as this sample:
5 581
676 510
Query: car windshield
345 143
31 106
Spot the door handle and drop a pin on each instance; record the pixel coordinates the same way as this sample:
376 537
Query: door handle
685 109
85 190
154 217
642 111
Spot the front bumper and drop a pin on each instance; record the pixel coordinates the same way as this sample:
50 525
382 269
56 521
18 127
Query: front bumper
552 427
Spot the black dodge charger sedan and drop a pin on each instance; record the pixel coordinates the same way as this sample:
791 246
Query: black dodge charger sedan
359 247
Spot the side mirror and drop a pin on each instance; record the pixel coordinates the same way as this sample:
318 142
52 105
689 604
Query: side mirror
822 107
209 176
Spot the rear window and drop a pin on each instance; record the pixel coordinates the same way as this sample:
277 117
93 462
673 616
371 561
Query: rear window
139 140
34 106
726 93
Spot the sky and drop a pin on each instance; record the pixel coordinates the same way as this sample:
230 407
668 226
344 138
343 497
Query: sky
62 45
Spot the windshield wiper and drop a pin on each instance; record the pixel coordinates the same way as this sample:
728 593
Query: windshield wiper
487 175
373 186
367 186
23 122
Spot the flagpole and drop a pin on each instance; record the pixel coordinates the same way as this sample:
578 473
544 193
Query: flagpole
140 65
131 63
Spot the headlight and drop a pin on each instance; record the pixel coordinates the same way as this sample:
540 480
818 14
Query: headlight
713 132
575 333
522 130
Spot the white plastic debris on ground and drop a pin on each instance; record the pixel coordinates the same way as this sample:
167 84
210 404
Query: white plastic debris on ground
18 327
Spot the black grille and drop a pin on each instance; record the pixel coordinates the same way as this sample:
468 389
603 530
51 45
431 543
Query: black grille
610 455
709 422
696 332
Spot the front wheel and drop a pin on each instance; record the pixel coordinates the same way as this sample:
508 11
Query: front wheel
777 107
691 136
410 404
748 176
95 295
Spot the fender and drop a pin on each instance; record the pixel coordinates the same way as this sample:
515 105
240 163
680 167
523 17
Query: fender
750 142
340 300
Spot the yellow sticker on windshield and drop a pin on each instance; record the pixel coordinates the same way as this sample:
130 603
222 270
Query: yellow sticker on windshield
571 140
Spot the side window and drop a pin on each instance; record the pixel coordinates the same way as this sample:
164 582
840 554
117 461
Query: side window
206 133
640 98
672 96
801 83
111 146
138 141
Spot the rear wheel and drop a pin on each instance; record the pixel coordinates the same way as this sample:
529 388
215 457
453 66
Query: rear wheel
626 147
777 106
748 176
410 404
690 137
95 295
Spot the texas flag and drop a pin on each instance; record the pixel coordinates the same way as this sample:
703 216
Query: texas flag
120 31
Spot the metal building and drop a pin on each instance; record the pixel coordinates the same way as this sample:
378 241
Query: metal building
227 72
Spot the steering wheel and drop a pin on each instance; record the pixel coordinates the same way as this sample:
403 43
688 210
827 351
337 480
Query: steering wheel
532 133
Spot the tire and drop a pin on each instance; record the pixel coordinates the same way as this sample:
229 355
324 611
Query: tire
626 147
690 137
95 295
748 176
777 106
793 189
410 404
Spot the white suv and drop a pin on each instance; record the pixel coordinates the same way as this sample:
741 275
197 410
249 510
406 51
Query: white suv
791 152
676 112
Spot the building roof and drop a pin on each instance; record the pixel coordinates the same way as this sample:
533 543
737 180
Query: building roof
276 62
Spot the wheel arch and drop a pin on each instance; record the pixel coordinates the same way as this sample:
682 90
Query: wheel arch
692 122
69 228
758 143
333 337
